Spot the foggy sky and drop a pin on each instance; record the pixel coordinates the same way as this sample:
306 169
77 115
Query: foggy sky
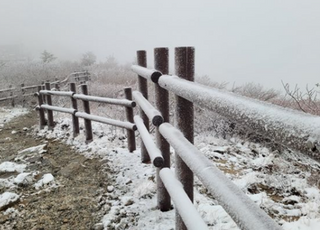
263 41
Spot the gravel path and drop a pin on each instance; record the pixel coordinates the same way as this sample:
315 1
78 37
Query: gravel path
70 201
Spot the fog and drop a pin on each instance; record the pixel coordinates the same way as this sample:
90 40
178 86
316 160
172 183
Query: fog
236 41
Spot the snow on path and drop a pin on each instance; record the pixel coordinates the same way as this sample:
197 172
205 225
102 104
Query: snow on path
7 114
281 184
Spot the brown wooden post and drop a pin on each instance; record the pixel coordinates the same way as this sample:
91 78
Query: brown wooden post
143 88
22 94
75 120
44 99
41 111
12 96
129 114
184 68
86 108
161 63
50 112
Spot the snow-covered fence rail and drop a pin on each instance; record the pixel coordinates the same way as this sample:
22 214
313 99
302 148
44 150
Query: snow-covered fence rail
47 93
8 95
189 160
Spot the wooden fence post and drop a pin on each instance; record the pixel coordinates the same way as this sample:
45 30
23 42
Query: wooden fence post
43 96
86 108
12 96
22 94
75 119
49 102
161 63
184 68
143 88
41 111
129 114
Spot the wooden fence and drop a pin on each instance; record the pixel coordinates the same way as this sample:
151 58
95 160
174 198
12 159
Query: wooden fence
21 94
290 128
85 114
189 160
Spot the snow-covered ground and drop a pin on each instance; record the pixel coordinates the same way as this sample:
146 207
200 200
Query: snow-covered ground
284 184
6 114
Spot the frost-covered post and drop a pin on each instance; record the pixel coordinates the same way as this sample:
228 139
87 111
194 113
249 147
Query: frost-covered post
129 114
184 68
143 88
49 102
43 96
75 119
161 63
86 108
41 112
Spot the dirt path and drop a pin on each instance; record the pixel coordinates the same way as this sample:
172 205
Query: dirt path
71 202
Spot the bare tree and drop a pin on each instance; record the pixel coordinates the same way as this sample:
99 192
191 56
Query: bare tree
307 101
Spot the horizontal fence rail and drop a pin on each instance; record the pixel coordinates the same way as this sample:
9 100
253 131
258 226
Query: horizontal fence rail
288 127
188 212
121 124
148 74
58 109
153 150
57 93
112 101
153 114
238 205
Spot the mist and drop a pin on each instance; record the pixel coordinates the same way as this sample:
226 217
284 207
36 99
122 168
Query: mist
265 42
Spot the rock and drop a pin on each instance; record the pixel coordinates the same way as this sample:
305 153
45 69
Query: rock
25 129
126 200
23 179
98 226
128 181
110 188
14 132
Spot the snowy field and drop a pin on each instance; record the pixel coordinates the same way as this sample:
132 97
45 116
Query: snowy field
284 184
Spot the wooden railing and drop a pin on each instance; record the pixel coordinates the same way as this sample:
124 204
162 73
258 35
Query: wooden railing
85 114
189 160
290 128
21 94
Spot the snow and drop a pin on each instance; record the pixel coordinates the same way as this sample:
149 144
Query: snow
303 223
246 168
11 167
35 149
22 178
45 180
7 114
186 209
7 198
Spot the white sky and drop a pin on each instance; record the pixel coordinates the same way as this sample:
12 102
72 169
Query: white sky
263 41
